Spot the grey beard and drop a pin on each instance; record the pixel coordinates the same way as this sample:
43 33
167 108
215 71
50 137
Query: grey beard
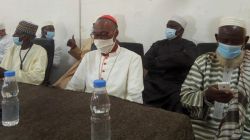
231 63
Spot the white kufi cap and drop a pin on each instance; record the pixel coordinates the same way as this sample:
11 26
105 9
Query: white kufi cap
2 26
232 21
47 23
179 20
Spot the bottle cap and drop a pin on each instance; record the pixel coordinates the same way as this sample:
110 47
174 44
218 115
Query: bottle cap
99 83
9 73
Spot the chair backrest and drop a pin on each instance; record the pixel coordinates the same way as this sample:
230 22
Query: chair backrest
211 47
206 47
49 46
135 47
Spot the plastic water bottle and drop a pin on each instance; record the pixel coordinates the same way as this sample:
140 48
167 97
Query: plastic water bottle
10 102
100 106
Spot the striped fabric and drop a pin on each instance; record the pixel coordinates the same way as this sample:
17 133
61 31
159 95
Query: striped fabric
206 71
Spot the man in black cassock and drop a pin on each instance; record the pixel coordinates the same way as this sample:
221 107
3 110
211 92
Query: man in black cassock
167 63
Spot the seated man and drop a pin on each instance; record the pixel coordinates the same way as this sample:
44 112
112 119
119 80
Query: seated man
77 53
201 92
48 32
121 68
167 63
28 60
6 41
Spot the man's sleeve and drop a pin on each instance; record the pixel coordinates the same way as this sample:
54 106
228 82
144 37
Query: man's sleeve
7 45
76 53
135 80
192 94
77 82
246 132
149 59
7 58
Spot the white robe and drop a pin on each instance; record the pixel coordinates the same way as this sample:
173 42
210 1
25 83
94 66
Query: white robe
34 65
5 43
123 73
57 54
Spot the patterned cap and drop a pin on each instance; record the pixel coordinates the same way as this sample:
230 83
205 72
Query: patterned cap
27 28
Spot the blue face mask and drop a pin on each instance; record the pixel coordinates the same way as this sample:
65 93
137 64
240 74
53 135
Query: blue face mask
17 41
229 51
50 35
170 33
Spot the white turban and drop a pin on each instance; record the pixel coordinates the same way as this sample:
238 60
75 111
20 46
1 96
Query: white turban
2 26
232 21
47 23
179 20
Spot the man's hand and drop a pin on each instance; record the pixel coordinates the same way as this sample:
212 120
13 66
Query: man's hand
214 94
72 43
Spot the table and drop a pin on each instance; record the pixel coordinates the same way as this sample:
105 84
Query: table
54 114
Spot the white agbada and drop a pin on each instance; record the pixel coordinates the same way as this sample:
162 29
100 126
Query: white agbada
57 54
5 43
122 71
34 65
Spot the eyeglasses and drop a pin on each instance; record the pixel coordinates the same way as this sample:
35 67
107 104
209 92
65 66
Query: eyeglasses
102 35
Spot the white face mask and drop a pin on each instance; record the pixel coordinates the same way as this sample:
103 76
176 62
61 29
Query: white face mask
105 46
